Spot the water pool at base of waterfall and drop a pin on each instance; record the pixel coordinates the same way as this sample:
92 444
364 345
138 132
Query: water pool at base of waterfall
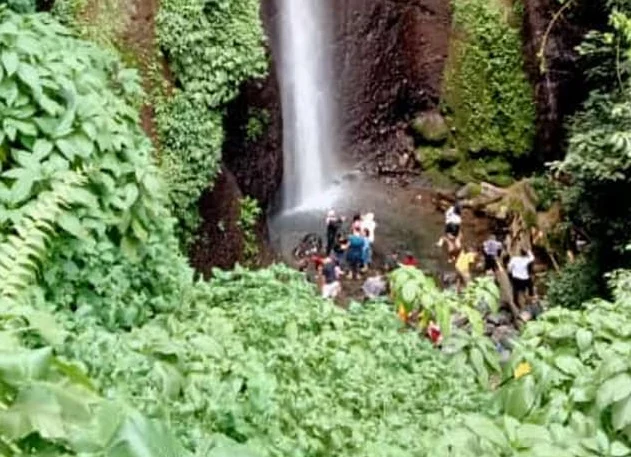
406 219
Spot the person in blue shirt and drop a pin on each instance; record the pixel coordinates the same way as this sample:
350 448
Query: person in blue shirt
355 253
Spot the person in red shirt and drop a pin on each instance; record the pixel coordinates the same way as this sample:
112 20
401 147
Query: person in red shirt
409 260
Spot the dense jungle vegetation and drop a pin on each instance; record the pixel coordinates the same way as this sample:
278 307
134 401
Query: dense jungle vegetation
109 345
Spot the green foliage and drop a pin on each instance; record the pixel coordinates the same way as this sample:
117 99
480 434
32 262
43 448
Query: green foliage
249 213
20 6
257 356
212 48
66 112
547 191
257 123
575 284
486 90
598 157
191 138
566 390
415 291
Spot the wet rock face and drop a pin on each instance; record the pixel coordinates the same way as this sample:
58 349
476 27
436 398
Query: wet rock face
252 166
390 60
562 88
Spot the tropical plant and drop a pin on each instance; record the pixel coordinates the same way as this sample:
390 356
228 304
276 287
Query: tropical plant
414 291
485 88
249 213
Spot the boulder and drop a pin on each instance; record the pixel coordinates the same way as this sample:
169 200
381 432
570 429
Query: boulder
427 156
431 128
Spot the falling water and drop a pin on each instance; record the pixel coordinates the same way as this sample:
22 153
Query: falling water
310 143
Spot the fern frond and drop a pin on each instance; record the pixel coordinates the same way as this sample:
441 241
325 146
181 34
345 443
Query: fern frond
23 251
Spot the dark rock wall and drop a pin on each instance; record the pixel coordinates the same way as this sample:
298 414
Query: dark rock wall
390 60
562 88
251 166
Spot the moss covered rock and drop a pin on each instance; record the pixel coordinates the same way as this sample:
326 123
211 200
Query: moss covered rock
431 128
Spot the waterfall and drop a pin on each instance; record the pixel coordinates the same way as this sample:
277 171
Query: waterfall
306 80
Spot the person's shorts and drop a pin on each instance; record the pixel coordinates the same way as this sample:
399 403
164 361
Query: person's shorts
523 285
452 229
331 290
490 263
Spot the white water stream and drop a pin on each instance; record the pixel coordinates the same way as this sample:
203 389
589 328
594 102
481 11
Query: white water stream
306 79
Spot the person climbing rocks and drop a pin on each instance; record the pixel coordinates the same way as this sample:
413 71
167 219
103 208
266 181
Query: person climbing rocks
453 220
465 259
519 271
492 250
333 227
454 246
331 273
354 254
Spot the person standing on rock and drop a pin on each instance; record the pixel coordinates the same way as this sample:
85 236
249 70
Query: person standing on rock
519 271
492 250
333 226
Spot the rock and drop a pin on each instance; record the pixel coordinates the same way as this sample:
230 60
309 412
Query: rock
504 335
427 156
431 127
403 160
449 157
469 191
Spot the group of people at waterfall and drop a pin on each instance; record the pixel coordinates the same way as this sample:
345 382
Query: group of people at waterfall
349 253
519 266
352 251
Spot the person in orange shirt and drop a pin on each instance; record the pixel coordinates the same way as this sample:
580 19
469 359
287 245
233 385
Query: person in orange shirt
465 259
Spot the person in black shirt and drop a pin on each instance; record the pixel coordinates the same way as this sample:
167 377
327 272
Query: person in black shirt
333 226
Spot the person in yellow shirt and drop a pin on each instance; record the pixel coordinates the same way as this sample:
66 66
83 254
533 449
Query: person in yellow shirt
463 266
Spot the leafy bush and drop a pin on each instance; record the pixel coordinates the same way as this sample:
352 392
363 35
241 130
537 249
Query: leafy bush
20 6
598 159
191 140
485 87
259 357
212 46
249 212
574 285
566 390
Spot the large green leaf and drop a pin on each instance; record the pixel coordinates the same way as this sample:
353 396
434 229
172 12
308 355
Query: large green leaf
17 367
141 437
613 390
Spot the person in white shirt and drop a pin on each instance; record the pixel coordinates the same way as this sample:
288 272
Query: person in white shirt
519 270
492 250
368 223
453 220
